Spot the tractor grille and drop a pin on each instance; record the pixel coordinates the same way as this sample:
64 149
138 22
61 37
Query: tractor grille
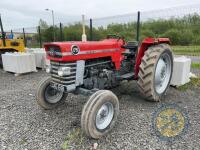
54 51
66 80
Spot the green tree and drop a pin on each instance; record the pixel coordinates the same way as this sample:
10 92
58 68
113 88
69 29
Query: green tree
181 31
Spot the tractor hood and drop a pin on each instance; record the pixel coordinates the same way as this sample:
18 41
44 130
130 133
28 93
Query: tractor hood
77 50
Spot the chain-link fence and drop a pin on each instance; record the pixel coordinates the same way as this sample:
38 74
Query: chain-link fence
180 24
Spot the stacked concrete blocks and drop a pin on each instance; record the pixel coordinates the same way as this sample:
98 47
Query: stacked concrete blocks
181 71
19 63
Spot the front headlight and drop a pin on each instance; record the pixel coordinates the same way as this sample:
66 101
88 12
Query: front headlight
48 69
62 71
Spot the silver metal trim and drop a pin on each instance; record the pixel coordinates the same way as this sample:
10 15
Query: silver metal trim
61 63
56 67
67 78
65 82
80 69
80 72
56 71
91 52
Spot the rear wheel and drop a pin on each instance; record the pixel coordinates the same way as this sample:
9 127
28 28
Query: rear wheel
47 97
99 114
155 71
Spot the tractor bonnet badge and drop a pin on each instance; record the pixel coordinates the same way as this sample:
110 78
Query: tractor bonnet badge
169 122
75 50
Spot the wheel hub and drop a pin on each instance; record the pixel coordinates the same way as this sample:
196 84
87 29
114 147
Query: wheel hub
52 96
162 73
104 116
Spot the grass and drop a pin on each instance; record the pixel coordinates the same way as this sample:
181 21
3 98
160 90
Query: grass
75 136
195 65
194 82
186 50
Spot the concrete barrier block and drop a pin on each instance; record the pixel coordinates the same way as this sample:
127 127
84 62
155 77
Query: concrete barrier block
181 71
40 57
19 63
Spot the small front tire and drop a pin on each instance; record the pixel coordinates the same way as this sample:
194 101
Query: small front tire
100 114
47 97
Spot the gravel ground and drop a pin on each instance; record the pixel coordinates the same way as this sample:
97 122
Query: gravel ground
24 125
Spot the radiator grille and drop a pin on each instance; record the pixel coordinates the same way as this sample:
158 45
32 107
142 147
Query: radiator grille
54 51
66 80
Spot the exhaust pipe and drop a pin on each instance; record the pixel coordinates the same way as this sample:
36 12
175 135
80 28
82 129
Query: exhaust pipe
84 37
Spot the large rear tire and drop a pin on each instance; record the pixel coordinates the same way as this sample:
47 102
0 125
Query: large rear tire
47 97
155 71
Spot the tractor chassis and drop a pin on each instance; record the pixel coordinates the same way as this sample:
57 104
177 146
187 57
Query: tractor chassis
80 90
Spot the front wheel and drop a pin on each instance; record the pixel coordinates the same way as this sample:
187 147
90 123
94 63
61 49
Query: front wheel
47 97
99 114
155 71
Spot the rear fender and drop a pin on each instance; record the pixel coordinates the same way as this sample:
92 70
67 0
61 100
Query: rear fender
143 47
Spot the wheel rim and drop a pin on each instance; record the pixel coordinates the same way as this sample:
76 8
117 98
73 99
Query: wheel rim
104 116
52 95
162 73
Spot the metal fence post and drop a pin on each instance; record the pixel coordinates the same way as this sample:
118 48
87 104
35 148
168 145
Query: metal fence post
2 32
24 37
138 27
61 32
91 35
40 38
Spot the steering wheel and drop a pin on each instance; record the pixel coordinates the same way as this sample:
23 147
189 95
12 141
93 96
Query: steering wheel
113 36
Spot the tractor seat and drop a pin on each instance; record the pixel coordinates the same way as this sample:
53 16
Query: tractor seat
131 48
132 45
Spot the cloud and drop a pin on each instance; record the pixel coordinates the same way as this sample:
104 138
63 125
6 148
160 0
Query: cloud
21 13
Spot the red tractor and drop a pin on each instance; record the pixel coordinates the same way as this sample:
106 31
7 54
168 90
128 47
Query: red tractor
92 68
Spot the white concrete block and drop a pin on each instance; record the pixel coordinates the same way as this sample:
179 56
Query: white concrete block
19 62
181 71
47 62
40 57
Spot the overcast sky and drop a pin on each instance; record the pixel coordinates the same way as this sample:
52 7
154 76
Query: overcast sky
26 13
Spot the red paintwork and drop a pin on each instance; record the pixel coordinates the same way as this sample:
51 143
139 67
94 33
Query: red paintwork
143 47
90 46
116 56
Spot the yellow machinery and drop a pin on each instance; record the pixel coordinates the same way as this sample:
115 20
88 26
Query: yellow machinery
9 45
12 45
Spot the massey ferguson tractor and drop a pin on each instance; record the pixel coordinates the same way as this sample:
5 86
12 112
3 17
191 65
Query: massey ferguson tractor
93 68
